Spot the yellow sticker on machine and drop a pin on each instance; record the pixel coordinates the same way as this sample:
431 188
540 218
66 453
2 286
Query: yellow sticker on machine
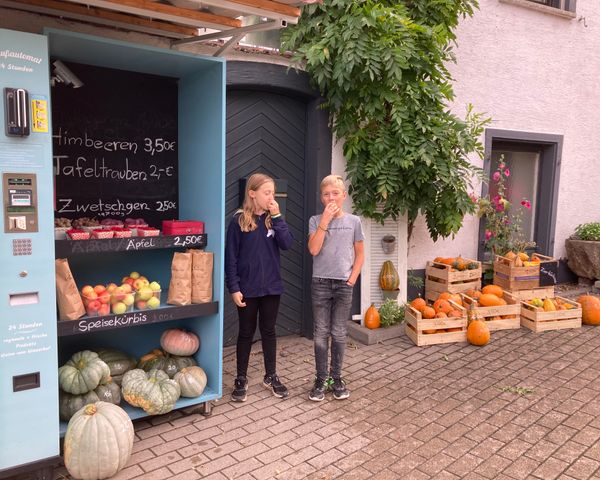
39 115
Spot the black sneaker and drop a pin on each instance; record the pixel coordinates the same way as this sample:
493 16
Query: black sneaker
317 394
240 387
279 389
339 389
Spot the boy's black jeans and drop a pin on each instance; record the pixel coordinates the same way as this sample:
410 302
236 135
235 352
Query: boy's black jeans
261 310
332 304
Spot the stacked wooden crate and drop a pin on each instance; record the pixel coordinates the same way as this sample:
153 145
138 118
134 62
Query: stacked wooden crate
432 331
440 277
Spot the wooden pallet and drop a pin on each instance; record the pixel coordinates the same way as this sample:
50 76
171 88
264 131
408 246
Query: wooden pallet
511 311
537 320
440 278
416 324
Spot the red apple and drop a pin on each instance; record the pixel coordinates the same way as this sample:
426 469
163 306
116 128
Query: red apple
127 288
93 307
140 305
110 287
140 282
118 295
99 289
104 309
128 280
104 297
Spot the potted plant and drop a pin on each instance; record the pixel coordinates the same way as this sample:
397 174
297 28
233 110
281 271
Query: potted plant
583 251
390 313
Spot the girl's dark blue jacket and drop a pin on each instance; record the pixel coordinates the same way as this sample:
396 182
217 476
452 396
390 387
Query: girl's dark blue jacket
252 263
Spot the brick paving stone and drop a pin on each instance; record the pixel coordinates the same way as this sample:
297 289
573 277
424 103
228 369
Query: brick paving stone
160 461
541 450
189 463
380 462
521 467
436 464
569 450
240 468
464 464
187 475
583 468
491 467
166 447
550 469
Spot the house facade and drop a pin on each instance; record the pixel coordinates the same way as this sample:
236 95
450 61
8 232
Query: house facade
529 65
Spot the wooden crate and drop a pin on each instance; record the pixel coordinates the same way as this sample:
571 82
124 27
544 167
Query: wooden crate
541 292
537 320
415 324
440 278
512 278
512 309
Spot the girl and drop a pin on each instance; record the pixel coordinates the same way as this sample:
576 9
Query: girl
255 235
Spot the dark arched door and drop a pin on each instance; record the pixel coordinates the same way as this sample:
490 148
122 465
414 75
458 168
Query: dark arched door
266 132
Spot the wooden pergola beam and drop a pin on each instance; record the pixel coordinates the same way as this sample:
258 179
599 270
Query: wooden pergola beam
164 12
104 17
265 8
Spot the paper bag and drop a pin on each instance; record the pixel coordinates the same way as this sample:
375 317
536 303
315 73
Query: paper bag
70 305
202 271
180 287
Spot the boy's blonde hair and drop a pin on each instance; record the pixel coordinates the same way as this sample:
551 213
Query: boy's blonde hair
335 180
247 219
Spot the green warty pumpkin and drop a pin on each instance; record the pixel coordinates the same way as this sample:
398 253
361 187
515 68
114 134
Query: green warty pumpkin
118 362
161 360
109 392
152 391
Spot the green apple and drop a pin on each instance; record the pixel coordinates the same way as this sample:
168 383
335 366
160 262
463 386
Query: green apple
155 286
153 302
119 308
134 275
144 293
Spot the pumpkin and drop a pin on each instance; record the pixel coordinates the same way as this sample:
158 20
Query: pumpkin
442 306
418 304
83 372
69 404
161 360
372 319
192 381
590 307
494 290
478 332
152 391
428 312
109 392
388 276
489 300
98 441
118 362
178 341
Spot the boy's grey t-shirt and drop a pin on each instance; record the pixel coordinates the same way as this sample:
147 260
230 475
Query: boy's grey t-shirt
337 253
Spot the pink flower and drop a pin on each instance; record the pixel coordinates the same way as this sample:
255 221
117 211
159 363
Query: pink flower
526 204
473 197
501 166
496 176
488 234
497 199
507 173
500 207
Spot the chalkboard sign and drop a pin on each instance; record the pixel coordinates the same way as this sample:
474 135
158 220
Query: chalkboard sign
115 146
548 273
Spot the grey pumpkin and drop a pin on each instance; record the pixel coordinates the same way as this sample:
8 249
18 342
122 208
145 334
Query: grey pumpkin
83 372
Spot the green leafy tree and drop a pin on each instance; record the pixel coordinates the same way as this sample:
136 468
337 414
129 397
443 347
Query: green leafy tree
381 66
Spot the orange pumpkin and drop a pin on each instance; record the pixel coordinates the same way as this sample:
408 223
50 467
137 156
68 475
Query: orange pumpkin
444 296
489 300
478 332
372 319
455 314
494 290
441 315
590 306
456 298
418 304
442 306
428 312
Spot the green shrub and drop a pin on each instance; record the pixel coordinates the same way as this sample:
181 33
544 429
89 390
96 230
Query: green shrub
588 231
390 313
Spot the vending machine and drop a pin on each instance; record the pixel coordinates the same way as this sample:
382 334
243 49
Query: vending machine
29 420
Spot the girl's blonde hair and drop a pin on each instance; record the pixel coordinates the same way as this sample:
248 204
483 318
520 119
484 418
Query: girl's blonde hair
335 180
247 219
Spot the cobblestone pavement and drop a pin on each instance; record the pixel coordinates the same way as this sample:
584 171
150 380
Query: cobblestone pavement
525 406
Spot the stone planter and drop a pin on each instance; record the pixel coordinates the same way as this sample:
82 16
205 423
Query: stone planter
367 336
583 258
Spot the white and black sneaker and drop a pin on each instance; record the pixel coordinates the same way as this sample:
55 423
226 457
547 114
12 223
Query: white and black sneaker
279 389
240 389
317 394
339 389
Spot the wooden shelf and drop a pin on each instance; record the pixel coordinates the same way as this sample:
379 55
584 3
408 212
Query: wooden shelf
65 248
134 318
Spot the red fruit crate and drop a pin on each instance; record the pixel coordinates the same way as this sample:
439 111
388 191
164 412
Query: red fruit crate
75 234
182 227
121 232
147 232
102 233
432 331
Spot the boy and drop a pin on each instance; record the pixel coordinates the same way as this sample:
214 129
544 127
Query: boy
336 243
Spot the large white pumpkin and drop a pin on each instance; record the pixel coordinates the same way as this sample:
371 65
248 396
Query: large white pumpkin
98 441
